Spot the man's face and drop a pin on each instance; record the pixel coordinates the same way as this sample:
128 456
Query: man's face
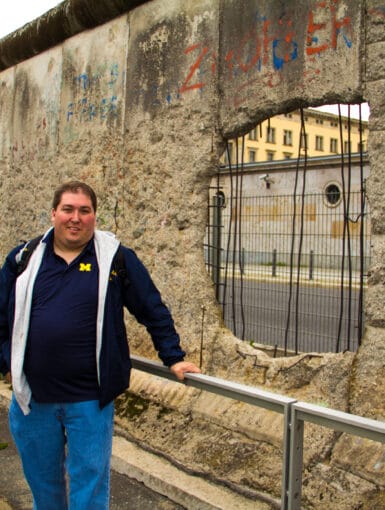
74 220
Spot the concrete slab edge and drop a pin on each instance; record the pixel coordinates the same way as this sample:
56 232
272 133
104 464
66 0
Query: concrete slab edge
190 491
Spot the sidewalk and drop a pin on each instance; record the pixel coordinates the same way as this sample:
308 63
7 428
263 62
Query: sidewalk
317 278
139 480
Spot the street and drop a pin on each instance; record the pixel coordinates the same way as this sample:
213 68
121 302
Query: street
315 321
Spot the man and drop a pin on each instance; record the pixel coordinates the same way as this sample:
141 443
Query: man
63 339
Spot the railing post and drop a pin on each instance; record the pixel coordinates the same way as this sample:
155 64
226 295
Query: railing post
274 263
242 262
286 456
295 462
311 264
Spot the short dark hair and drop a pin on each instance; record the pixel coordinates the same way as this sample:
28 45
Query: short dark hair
74 187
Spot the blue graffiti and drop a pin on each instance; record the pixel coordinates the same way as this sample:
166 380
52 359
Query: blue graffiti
86 81
83 80
88 108
259 17
348 42
86 111
70 111
108 108
114 74
278 61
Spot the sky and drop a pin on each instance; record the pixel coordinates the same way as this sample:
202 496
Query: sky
20 12
354 110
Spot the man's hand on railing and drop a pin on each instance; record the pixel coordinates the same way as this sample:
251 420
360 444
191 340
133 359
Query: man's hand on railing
182 367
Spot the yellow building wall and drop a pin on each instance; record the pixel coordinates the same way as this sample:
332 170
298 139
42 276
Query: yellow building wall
279 137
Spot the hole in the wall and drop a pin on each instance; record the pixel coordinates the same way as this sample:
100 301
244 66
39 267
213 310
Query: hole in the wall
288 240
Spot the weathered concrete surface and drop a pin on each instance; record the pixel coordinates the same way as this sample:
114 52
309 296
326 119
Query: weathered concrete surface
139 107
188 490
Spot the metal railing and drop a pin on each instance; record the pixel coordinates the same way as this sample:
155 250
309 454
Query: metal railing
295 414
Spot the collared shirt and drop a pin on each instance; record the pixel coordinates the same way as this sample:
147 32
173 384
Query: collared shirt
60 360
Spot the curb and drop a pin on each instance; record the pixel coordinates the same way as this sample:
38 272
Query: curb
189 491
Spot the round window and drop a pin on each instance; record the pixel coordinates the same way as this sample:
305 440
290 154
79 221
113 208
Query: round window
332 194
220 199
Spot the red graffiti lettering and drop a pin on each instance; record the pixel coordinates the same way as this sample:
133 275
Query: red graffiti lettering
289 39
334 26
312 28
270 45
193 69
266 42
337 25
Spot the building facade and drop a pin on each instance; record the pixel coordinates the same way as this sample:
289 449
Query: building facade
287 136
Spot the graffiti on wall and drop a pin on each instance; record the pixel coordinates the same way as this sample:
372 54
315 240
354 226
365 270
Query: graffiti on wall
85 110
270 45
95 96
261 54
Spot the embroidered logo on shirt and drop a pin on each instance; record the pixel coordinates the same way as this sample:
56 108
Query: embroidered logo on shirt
85 267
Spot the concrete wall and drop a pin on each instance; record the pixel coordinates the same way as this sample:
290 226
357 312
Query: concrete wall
139 107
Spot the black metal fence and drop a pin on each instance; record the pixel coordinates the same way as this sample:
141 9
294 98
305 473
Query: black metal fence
295 282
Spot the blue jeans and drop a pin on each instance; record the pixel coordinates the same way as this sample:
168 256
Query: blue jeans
55 438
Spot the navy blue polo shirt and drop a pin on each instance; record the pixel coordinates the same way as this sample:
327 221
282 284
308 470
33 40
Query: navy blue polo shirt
60 358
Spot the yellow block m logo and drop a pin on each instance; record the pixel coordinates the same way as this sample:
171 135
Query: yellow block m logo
85 267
